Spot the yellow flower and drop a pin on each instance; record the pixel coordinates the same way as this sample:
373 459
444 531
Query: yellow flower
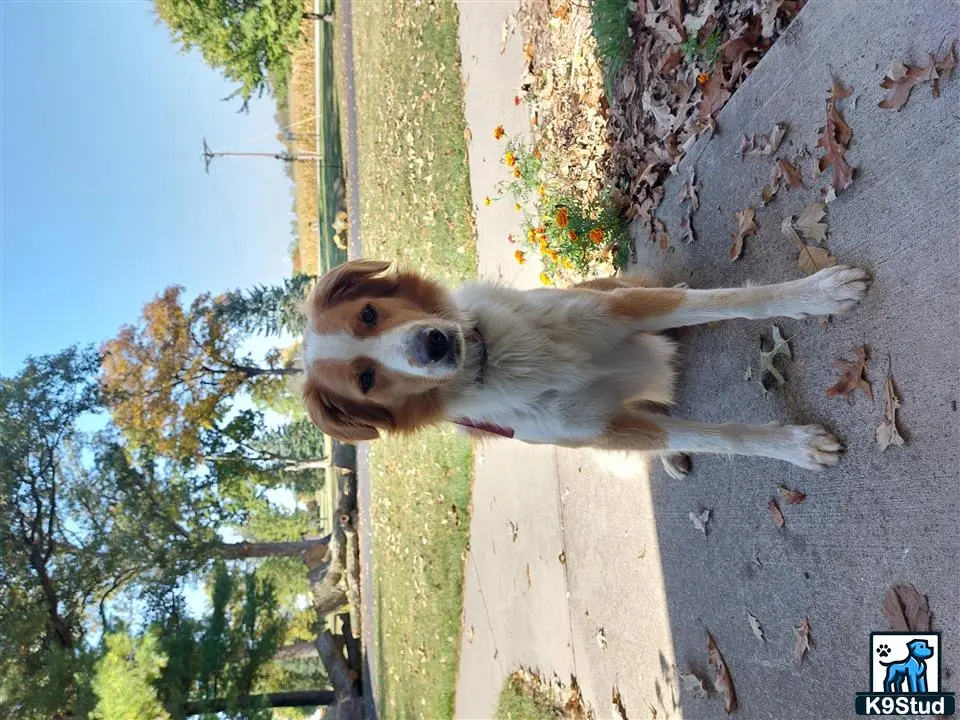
543 244
499 132
553 255
545 279
509 159
566 263
486 201
562 218
531 236
596 236
518 207
520 257
542 190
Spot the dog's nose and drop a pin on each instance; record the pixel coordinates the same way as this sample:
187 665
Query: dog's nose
434 345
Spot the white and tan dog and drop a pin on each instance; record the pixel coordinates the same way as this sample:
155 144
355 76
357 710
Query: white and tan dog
578 367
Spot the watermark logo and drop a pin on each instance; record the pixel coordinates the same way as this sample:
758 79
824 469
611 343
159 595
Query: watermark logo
905 676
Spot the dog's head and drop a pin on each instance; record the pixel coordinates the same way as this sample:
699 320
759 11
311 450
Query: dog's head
920 649
379 348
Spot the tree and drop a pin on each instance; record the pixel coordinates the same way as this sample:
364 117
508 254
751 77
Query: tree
267 309
249 40
56 559
181 667
177 372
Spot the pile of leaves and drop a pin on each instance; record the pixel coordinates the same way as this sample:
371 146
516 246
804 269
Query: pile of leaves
527 695
687 59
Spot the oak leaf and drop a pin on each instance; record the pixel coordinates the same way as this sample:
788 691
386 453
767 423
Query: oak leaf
746 225
812 259
851 376
713 95
834 137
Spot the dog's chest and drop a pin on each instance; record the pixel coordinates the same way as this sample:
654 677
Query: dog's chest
558 366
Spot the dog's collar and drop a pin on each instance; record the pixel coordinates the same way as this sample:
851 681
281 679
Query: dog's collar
485 427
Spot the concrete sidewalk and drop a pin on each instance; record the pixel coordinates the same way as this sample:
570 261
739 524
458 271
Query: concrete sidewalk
634 564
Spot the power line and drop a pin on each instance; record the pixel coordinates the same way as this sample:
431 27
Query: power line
286 156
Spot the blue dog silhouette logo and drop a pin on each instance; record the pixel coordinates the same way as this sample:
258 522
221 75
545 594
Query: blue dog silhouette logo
908 675
905 677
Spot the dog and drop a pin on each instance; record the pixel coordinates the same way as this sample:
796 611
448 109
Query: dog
913 669
587 366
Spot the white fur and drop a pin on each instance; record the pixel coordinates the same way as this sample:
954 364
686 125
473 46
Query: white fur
392 349
558 365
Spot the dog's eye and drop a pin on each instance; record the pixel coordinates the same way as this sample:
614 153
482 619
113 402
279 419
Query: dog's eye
368 315
366 381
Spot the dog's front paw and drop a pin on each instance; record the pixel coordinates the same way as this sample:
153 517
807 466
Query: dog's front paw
812 447
837 290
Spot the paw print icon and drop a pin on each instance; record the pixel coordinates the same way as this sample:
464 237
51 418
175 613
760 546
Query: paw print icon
883 650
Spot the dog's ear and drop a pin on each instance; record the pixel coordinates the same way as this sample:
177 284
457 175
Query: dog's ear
344 419
354 279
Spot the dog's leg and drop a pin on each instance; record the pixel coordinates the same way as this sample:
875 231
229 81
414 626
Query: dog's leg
808 446
832 291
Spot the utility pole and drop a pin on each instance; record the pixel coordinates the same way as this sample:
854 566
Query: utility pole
287 156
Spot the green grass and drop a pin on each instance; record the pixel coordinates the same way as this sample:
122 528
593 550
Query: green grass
415 209
518 702
610 29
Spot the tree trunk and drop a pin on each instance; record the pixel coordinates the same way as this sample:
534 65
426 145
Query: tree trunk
252 371
296 651
300 698
244 550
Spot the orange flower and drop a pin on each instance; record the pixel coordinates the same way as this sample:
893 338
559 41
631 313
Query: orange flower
499 132
509 159
536 153
573 235
562 218
541 230
596 236
486 201
702 79
516 99
516 172
545 279
520 257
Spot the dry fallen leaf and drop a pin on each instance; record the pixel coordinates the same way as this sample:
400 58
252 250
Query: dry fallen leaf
851 376
902 78
723 682
809 225
887 433
767 357
746 225
906 609
755 626
686 228
714 95
763 145
688 191
804 641
793 497
700 520
775 512
691 682
835 135
790 173
813 259
617 702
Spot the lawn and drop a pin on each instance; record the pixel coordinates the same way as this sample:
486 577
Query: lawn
415 208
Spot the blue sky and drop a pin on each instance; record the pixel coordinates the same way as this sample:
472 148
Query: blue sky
104 201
